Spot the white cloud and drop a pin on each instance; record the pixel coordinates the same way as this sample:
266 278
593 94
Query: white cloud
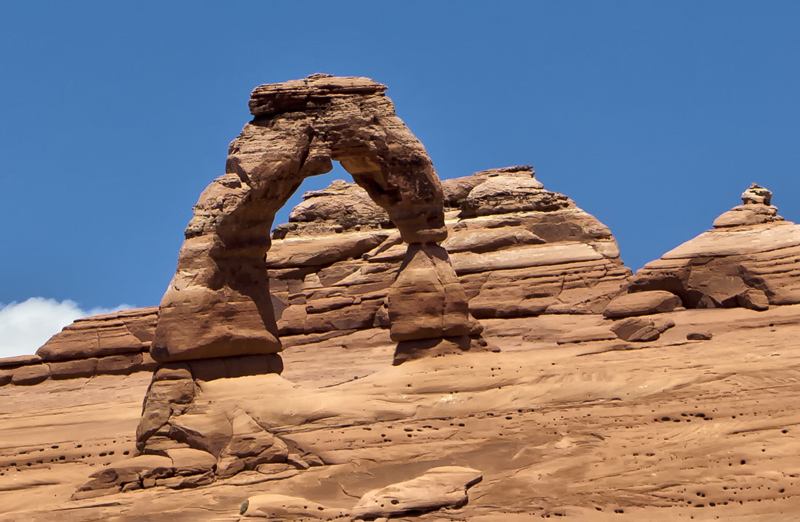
25 326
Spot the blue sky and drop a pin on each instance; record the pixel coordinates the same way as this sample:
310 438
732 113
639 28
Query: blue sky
653 116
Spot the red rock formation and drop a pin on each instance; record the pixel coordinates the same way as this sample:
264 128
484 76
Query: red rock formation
747 260
218 303
124 332
512 259
521 250
218 306
110 344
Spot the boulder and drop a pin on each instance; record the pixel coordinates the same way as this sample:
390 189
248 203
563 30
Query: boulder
753 299
30 375
700 335
636 329
641 303
437 488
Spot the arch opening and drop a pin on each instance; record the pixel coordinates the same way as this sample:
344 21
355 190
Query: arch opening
218 303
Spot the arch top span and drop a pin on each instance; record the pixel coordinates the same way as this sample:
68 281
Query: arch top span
218 302
307 123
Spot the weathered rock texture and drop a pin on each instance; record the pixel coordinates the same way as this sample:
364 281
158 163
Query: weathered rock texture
518 251
218 303
110 344
282 507
641 303
749 259
124 332
610 430
521 250
437 488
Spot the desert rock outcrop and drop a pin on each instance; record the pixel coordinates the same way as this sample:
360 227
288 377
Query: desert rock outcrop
641 303
748 259
112 344
651 411
532 251
517 252
218 304
124 332
437 488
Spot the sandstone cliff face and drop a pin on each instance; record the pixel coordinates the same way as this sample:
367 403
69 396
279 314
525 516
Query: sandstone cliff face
518 250
748 259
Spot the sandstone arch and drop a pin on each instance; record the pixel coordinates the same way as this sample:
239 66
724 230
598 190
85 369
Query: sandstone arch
218 302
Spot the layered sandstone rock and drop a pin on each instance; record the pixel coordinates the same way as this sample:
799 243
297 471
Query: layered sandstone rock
124 332
518 250
110 344
219 306
641 303
521 250
749 259
218 303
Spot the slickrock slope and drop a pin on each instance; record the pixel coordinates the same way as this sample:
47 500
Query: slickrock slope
749 259
607 430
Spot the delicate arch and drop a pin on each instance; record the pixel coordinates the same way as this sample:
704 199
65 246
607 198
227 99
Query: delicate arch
218 302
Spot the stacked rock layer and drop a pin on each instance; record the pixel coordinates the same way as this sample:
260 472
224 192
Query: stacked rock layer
111 344
518 250
749 259
218 303
218 307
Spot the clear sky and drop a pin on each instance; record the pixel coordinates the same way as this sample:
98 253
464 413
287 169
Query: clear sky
653 116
